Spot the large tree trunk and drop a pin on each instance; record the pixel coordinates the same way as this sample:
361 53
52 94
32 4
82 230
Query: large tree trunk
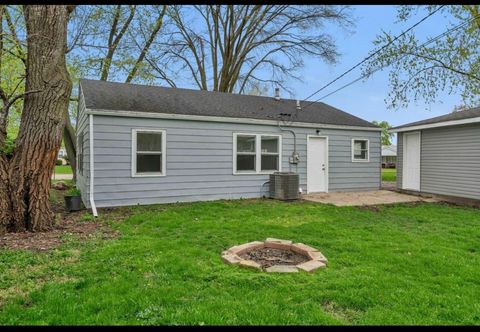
43 119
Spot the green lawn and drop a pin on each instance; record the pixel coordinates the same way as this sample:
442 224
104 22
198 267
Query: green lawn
401 264
389 174
63 169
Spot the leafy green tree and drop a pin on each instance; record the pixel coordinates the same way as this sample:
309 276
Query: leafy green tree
386 136
450 64
12 73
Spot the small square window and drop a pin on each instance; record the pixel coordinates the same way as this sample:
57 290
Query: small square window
360 150
148 153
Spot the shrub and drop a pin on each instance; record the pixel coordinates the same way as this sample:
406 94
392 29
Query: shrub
58 162
74 191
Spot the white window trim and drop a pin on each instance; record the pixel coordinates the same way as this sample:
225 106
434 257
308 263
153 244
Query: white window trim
258 154
353 151
134 152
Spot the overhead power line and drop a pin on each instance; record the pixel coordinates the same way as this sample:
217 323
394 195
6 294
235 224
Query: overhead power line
373 54
381 67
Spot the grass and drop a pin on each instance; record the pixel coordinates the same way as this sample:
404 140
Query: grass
401 264
63 169
389 174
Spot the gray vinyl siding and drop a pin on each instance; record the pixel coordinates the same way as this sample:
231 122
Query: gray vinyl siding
82 126
399 159
199 161
450 161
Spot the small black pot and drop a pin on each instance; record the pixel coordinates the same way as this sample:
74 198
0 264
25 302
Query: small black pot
73 203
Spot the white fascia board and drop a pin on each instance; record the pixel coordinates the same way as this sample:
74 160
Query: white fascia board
220 119
436 125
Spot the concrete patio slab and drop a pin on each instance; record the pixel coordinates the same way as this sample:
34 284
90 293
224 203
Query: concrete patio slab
358 198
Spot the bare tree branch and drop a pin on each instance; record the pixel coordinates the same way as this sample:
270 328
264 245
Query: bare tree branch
228 44
153 35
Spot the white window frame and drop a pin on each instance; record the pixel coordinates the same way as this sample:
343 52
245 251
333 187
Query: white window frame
258 153
353 150
134 152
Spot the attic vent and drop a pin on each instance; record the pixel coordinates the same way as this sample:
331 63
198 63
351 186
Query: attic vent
277 93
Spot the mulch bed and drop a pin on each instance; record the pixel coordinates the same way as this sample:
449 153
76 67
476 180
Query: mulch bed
67 224
267 257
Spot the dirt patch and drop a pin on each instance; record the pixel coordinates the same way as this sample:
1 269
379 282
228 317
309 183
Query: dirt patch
348 315
67 224
267 257
373 208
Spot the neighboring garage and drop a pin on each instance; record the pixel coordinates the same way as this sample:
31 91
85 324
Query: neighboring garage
441 155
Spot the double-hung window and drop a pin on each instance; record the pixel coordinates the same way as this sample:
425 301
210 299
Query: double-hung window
148 152
256 153
360 150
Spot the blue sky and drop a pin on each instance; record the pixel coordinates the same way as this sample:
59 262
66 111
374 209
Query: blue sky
366 98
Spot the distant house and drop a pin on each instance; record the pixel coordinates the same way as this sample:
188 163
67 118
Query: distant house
142 144
389 156
441 155
62 153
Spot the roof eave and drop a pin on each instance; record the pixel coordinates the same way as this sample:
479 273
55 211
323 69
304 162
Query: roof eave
124 113
435 125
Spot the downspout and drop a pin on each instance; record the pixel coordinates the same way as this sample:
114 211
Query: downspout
92 202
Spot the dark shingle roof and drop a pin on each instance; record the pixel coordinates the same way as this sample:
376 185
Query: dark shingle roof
155 99
460 115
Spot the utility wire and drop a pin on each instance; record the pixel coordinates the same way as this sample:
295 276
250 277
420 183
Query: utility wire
373 54
381 67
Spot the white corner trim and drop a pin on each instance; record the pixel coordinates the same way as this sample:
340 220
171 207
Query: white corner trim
353 151
134 152
92 167
258 154
436 125
122 113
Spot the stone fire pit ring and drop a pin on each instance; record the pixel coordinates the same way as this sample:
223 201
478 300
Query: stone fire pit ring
314 258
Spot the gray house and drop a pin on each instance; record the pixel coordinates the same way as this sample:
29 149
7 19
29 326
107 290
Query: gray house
441 155
142 144
389 156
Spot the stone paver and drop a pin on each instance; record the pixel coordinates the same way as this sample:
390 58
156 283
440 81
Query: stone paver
302 248
282 268
238 250
231 258
318 256
251 264
358 198
311 266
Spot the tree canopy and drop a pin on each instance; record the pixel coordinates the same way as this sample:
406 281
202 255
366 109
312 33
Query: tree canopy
420 71
386 136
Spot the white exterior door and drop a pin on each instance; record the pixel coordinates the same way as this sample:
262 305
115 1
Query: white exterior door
411 161
317 164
